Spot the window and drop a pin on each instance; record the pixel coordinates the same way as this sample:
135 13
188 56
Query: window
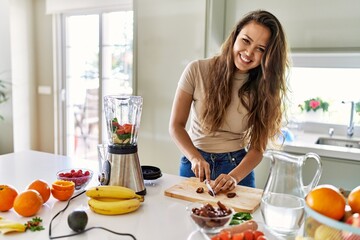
98 60
337 86
333 79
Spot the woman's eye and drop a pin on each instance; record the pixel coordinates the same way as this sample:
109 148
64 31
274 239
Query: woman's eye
261 50
246 40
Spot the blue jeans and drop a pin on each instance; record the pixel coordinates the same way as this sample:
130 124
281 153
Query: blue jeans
219 163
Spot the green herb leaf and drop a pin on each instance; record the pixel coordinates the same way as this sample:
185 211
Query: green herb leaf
240 217
235 222
124 136
34 224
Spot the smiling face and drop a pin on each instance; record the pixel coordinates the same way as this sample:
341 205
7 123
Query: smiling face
250 45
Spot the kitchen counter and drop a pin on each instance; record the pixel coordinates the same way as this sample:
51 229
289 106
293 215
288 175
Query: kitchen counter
306 142
159 217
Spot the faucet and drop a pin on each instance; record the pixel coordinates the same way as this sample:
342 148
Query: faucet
350 128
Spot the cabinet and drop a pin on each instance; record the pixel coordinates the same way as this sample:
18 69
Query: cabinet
262 172
338 172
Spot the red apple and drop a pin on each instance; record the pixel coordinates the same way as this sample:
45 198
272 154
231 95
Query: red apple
353 220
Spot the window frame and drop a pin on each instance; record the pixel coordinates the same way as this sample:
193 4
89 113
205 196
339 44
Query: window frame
59 43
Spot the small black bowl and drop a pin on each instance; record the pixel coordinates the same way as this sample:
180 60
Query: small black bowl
151 172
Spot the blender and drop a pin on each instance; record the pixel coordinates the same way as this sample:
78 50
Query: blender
122 166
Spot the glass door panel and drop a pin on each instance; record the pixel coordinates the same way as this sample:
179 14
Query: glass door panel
98 62
118 52
82 84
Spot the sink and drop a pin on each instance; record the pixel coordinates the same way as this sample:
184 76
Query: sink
339 142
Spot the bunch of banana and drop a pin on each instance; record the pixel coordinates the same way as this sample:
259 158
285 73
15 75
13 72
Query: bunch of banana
113 200
7 226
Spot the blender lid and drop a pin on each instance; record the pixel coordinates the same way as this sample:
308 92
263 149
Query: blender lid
151 172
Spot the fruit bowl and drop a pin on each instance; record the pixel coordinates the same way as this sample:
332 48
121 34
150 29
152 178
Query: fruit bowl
80 176
210 218
319 226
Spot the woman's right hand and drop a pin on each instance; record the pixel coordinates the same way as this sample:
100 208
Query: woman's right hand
201 168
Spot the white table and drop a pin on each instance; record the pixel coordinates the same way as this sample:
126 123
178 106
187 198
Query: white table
159 217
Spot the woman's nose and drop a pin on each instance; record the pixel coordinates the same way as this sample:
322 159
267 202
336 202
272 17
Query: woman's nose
249 51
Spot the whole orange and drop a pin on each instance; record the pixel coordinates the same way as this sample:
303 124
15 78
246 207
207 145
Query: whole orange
354 200
327 200
42 187
7 197
28 203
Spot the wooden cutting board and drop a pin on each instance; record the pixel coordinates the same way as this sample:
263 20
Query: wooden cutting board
246 200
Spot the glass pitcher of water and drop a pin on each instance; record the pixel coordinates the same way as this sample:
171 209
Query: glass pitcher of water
282 203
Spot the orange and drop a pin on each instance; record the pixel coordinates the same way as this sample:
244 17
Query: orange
7 197
62 190
28 203
327 200
42 187
354 200
63 185
62 195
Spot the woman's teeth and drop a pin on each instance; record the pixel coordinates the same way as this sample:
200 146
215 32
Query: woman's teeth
244 59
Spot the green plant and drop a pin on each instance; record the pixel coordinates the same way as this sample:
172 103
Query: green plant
357 107
3 93
314 104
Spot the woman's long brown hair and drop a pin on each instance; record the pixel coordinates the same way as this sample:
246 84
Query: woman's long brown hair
262 95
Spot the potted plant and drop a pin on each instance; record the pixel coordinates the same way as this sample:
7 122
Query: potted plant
313 109
314 104
3 94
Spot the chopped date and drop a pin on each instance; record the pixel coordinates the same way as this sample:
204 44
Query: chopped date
215 216
222 206
209 210
200 190
231 195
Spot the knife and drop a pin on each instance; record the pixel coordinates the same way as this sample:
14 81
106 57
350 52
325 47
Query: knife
207 183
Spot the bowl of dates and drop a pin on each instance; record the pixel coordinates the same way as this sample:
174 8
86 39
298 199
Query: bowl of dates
210 218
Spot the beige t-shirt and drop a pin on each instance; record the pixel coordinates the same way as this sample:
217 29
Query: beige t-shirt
230 135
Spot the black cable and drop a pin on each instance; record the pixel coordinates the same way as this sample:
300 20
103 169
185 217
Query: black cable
88 229
67 205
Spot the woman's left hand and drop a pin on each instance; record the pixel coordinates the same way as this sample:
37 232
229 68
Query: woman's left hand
224 182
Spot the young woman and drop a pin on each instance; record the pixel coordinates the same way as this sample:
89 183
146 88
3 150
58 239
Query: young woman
236 102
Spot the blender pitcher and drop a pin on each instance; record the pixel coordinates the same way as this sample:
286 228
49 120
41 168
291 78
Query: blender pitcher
283 200
122 166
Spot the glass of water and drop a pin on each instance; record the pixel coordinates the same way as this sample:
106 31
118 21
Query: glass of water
283 214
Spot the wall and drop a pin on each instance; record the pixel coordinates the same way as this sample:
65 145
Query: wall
26 63
23 75
307 23
168 37
18 63
6 125
44 78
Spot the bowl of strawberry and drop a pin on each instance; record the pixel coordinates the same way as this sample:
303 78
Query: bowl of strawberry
81 177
